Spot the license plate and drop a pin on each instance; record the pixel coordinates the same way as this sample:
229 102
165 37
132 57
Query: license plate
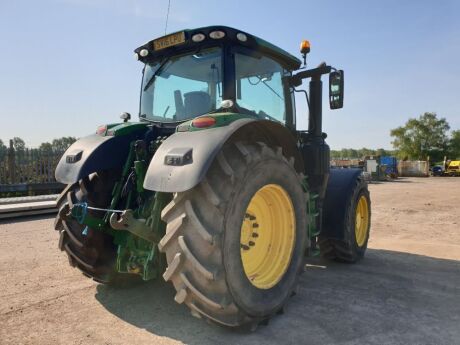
169 41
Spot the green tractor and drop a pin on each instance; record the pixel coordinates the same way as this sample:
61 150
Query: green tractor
214 189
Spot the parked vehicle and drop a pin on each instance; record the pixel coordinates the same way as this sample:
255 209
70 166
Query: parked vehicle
391 166
437 170
453 168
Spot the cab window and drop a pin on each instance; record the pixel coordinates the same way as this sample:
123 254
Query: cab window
259 87
182 87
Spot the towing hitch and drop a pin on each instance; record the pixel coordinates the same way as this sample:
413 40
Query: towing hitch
139 227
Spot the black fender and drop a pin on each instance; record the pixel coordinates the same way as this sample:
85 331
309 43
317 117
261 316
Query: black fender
90 154
338 193
183 159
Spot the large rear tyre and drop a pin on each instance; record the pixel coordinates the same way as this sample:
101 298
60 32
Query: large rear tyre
89 250
355 227
235 243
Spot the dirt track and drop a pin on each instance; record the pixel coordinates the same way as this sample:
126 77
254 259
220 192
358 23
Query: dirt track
406 291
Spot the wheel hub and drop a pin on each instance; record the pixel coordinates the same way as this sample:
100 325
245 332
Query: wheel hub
267 236
249 234
361 221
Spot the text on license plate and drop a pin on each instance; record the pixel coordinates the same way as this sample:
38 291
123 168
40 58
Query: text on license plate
169 41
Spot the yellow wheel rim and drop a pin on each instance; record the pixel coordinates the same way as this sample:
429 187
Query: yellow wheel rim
361 221
267 236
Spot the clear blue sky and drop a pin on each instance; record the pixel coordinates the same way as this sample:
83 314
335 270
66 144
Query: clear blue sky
67 65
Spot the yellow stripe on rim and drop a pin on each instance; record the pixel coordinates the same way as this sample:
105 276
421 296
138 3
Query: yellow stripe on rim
361 220
267 236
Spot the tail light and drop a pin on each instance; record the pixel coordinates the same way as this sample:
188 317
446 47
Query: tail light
203 122
101 130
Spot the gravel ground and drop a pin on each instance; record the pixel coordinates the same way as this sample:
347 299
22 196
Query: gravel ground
406 291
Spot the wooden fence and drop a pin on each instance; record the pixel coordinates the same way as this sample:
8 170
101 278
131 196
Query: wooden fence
28 170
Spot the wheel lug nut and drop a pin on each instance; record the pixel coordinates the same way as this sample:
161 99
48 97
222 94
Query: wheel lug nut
255 225
255 234
244 247
249 216
251 243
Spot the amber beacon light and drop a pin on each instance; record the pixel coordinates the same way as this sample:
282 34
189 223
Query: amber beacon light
304 50
304 47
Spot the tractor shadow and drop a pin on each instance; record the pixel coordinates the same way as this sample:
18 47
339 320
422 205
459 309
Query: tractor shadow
390 297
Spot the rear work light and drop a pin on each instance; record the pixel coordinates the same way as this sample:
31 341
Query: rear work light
198 37
216 35
144 52
203 122
242 37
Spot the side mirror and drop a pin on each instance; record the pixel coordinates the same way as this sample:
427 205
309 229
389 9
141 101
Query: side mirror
336 89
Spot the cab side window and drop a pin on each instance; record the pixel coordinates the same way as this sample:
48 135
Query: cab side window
259 87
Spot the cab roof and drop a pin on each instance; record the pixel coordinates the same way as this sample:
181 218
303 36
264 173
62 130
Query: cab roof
255 43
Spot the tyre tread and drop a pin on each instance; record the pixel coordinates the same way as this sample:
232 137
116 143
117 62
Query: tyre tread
197 278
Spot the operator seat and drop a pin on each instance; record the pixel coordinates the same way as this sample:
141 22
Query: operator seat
196 103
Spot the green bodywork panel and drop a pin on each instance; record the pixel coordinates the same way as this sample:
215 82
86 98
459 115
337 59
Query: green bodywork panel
124 128
222 119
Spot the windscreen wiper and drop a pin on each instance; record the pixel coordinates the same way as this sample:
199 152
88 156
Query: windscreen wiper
276 93
159 69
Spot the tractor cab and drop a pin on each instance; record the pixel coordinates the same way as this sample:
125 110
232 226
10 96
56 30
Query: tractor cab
212 70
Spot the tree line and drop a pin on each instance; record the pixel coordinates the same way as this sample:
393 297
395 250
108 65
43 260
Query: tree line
57 145
360 153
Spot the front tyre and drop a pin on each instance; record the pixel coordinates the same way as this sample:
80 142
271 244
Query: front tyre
235 243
